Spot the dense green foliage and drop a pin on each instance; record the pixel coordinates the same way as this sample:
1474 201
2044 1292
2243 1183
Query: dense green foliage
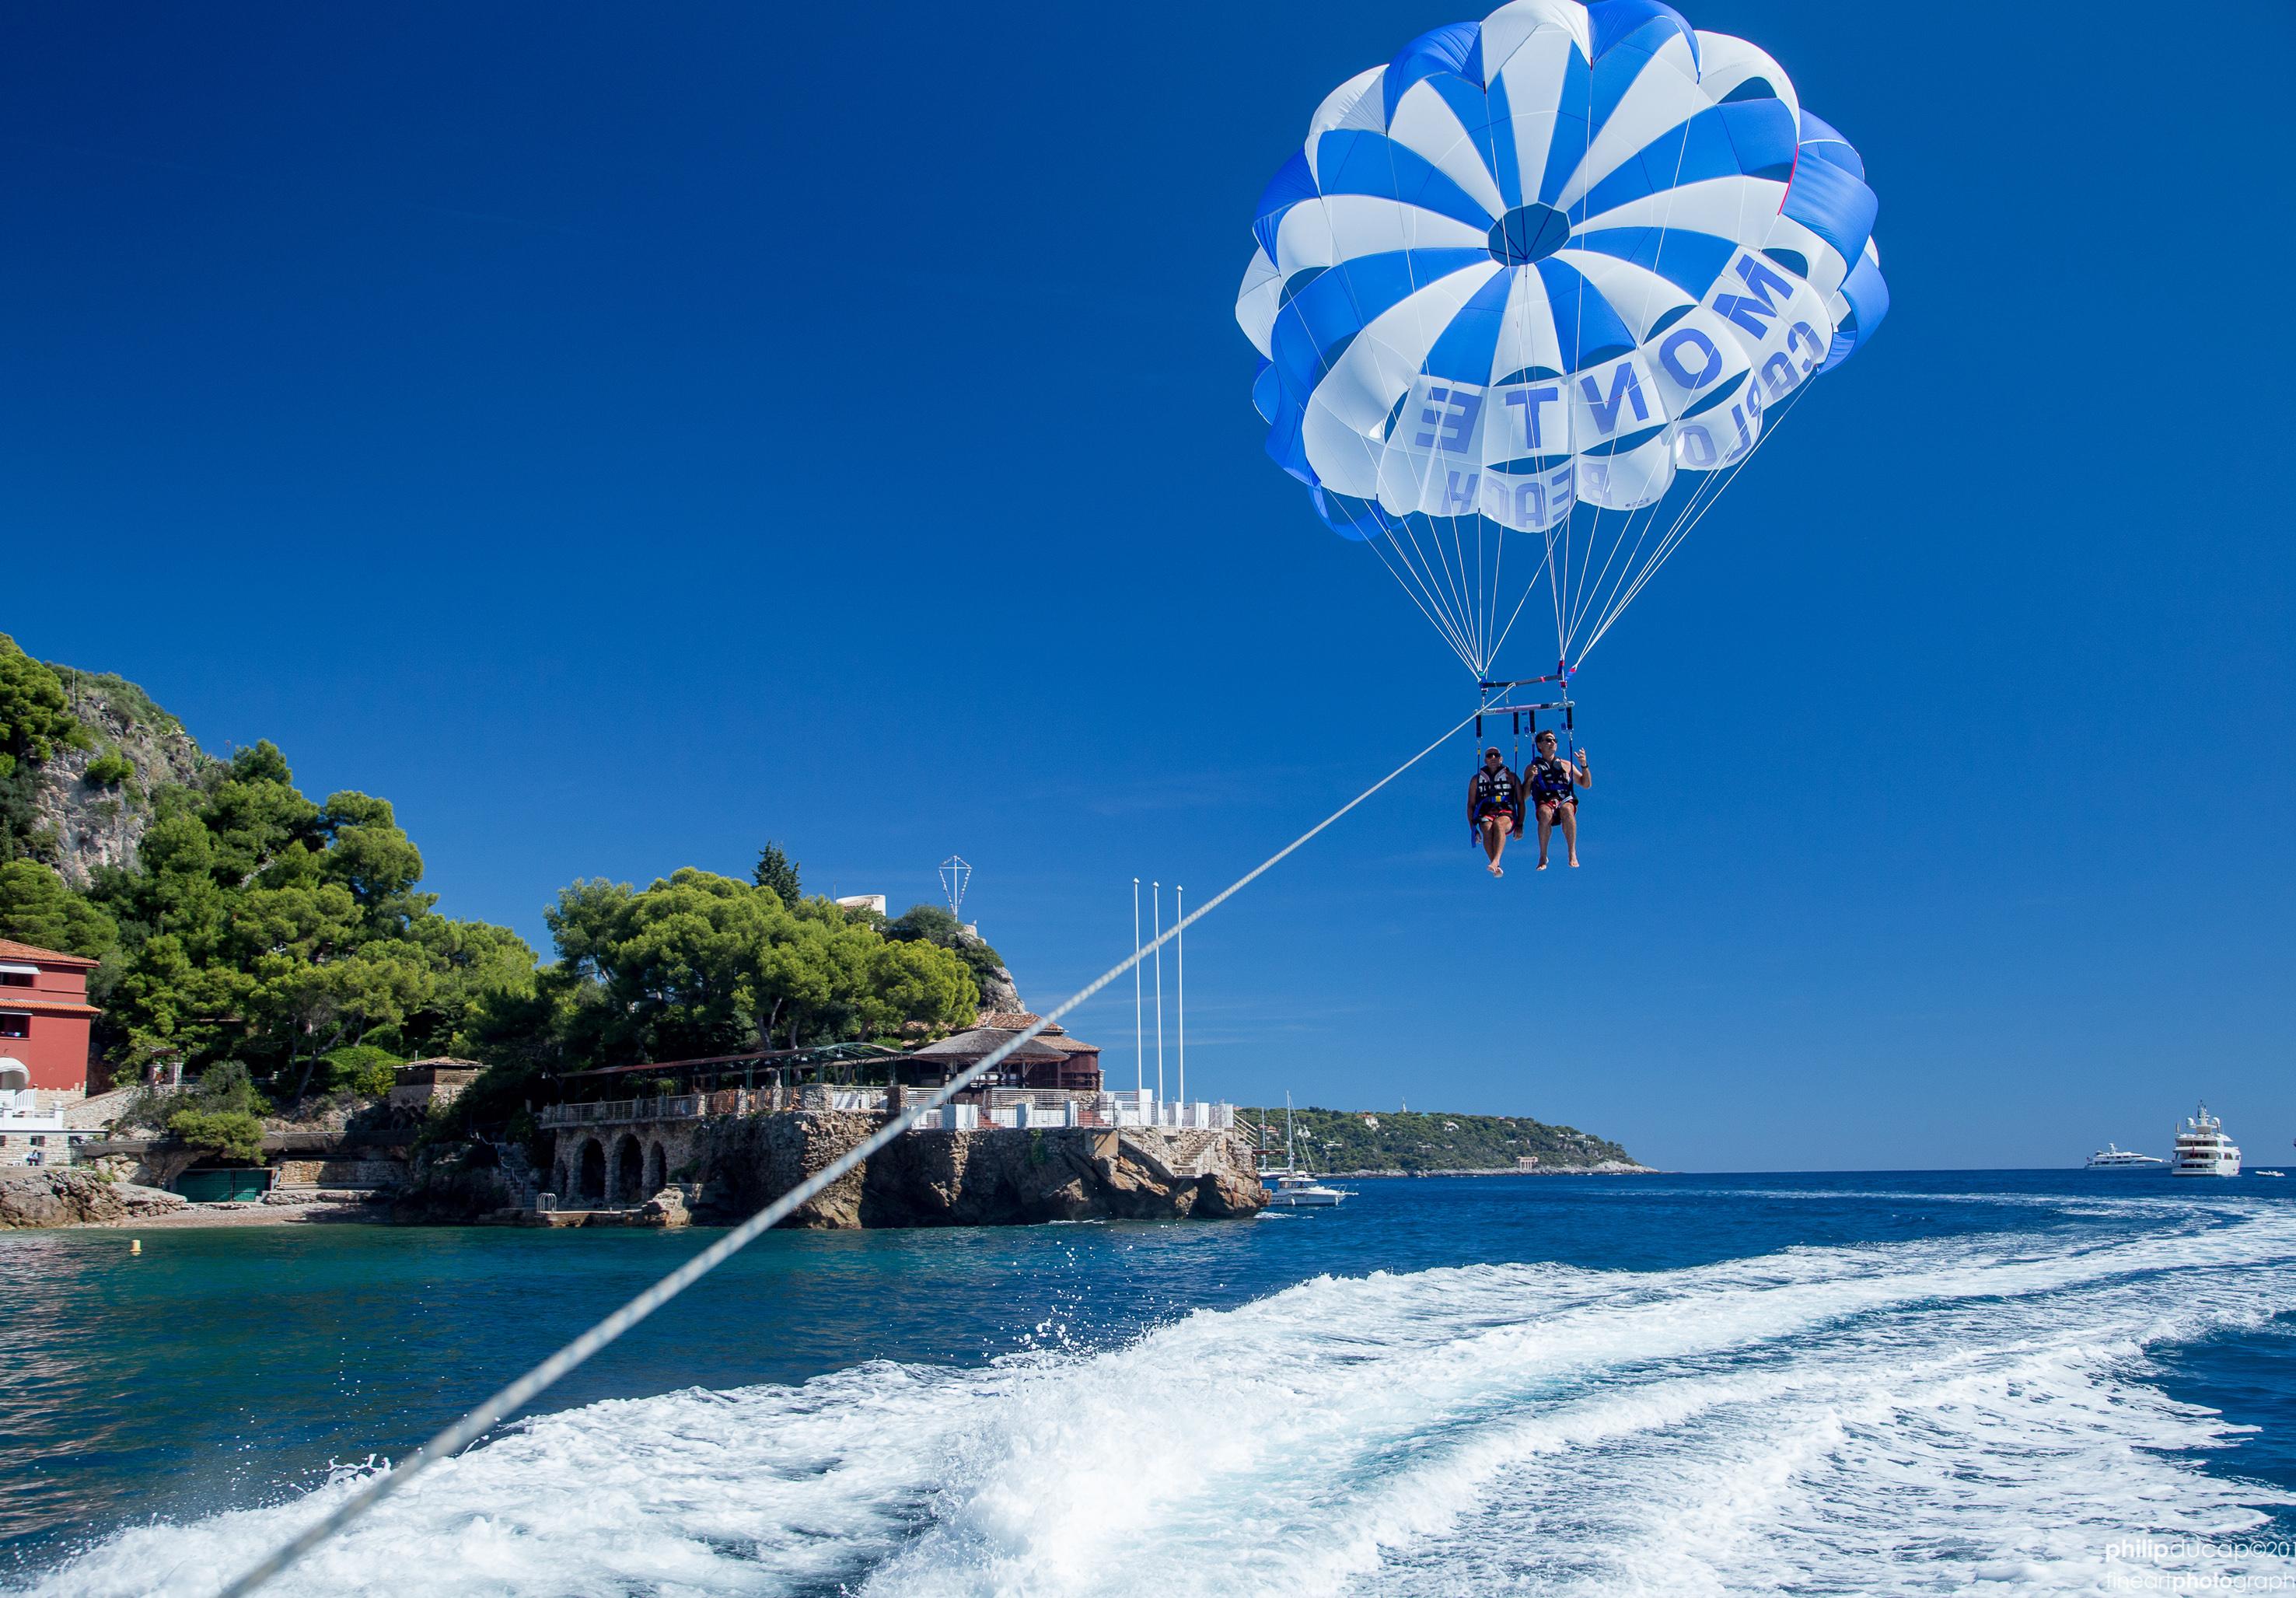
260 925
233 1134
776 870
694 966
222 1113
930 923
108 769
36 716
35 721
1349 1140
358 1067
699 964
35 908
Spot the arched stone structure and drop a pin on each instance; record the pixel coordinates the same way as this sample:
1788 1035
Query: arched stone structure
589 1183
628 1174
657 1169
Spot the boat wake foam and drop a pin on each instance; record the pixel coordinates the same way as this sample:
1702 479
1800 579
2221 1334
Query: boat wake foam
1918 1416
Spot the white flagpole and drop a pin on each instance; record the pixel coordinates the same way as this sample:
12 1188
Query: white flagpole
1180 953
1156 893
1139 1045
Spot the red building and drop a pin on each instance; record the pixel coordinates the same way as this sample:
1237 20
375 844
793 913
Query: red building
44 1017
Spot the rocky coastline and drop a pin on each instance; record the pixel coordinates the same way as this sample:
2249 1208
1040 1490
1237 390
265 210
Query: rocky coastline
725 1169
41 1196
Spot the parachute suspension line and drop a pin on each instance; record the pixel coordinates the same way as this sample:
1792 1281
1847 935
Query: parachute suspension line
1586 589
1453 610
1439 626
1422 578
1692 514
1478 594
1441 595
1558 579
1687 523
1473 579
1465 588
535 1381
1587 601
1498 598
1528 589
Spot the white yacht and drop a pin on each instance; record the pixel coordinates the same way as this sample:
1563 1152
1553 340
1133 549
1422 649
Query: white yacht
2112 1156
2202 1149
1297 1189
1292 1188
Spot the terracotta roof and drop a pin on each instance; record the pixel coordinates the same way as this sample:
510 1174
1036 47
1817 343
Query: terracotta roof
17 1000
11 950
1053 1036
1015 1021
979 1042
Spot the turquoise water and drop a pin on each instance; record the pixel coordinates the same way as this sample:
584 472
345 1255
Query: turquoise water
1885 1382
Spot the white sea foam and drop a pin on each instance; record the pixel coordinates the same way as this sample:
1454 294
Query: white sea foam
1942 1415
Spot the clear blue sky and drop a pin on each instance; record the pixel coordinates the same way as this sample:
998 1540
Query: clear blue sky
463 399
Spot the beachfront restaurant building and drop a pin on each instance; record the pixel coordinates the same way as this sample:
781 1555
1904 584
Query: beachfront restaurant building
1052 1061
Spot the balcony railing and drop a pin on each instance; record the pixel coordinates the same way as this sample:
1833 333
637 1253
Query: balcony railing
668 1107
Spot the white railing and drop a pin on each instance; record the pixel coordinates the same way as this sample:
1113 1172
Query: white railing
1016 1109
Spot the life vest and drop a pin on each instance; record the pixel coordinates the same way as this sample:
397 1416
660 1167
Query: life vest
1550 779
1496 787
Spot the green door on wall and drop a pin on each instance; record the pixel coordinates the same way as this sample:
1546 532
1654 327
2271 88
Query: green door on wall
216 1187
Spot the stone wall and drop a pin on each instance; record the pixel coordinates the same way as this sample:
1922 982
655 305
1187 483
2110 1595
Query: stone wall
335 1171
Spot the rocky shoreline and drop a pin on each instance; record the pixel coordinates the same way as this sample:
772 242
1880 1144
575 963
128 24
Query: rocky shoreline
41 1196
727 1167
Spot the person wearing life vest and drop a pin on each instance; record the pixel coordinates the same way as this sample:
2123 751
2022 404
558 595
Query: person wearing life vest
1550 781
1494 807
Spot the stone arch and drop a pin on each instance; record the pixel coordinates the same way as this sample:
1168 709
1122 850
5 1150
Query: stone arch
590 1177
628 1172
656 1168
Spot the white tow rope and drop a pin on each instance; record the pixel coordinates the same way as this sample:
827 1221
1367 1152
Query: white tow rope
523 1391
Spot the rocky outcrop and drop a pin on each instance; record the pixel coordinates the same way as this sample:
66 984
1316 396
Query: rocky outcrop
996 1176
998 991
666 1210
101 822
748 1161
37 1196
463 1181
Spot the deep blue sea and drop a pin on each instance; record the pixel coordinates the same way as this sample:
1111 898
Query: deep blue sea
1897 1382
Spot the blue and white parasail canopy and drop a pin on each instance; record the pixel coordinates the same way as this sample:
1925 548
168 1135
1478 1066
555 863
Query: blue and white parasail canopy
1545 261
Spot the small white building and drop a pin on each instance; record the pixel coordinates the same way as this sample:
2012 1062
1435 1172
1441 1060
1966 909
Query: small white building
31 1134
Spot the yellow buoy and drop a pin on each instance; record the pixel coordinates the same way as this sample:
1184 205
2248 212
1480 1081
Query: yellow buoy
135 1245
